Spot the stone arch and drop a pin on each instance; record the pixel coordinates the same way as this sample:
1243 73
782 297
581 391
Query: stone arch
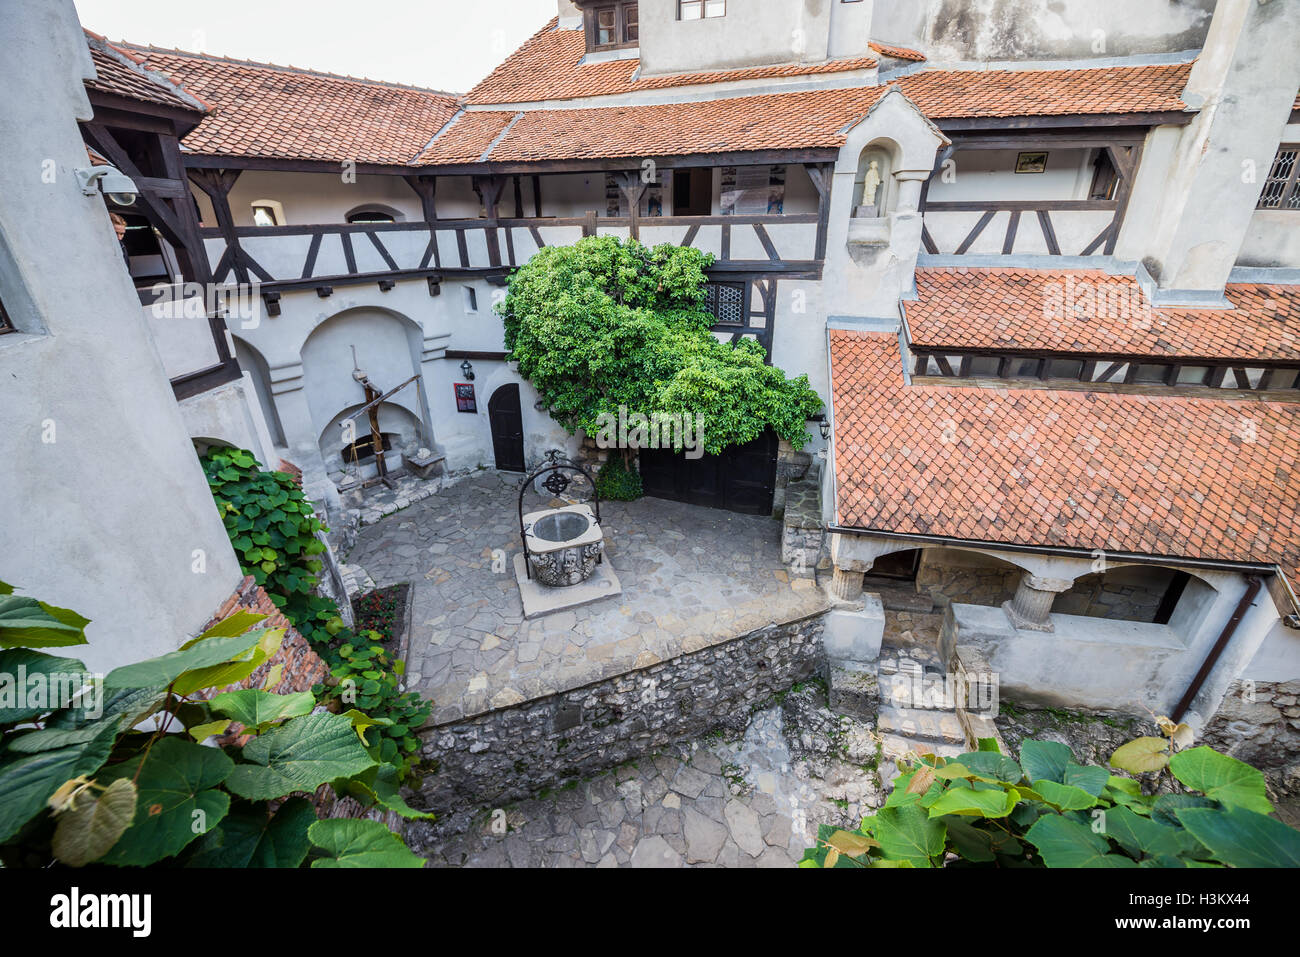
396 214
885 153
388 346
1140 592
398 426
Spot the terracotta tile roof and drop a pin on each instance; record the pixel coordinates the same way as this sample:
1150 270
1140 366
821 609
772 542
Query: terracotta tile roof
955 94
1093 312
898 53
270 111
548 67
799 120
122 73
808 119
1168 476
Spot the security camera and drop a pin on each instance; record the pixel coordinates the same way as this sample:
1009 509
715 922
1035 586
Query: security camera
116 185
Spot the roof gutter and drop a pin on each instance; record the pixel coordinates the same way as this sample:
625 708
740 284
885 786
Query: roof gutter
1253 585
1132 558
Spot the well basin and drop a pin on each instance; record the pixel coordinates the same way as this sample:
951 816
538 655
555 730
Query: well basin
564 544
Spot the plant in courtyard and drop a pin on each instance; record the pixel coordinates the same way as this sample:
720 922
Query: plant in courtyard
274 530
84 784
984 808
604 324
618 481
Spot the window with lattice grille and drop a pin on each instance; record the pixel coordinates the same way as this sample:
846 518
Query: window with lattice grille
726 301
1280 190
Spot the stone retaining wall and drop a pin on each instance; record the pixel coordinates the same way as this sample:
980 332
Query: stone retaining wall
1259 723
507 754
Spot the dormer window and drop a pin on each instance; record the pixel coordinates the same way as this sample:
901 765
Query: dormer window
701 9
612 26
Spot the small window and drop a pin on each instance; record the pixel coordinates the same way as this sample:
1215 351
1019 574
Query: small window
471 299
701 9
268 213
984 367
1104 177
1022 368
613 26
1280 190
1192 375
1151 373
725 301
371 214
1065 369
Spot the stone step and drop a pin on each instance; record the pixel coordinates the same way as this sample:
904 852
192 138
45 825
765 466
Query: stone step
920 723
899 597
894 746
855 693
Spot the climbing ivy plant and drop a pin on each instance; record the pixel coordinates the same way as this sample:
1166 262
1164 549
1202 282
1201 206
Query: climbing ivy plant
82 783
273 528
604 324
985 808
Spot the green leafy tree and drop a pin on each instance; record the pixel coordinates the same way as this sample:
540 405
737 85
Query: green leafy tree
604 324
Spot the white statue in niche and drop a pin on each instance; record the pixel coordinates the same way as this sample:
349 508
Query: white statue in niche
871 181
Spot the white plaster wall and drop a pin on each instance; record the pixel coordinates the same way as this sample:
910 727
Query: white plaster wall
230 415
753 32
1278 657
107 518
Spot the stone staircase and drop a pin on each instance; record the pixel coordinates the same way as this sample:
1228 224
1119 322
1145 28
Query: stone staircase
920 692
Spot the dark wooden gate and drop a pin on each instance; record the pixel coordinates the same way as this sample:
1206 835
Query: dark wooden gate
507 428
741 479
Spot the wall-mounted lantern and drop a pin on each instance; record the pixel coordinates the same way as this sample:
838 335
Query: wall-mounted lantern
468 370
825 426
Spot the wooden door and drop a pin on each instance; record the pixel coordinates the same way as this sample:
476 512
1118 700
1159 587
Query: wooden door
507 422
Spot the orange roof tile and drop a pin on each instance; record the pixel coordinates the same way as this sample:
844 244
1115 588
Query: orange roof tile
548 67
799 120
898 53
802 120
270 111
1090 311
122 73
956 94
1168 476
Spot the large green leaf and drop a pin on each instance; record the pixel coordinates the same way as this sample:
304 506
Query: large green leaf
235 670
178 800
1141 755
380 785
993 802
1242 838
1045 760
349 842
908 833
252 707
992 766
28 623
1166 807
1086 777
1066 797
1143 837
250 837
1066 843
16 703
88 830
165 669
26 783
300 755
1231 782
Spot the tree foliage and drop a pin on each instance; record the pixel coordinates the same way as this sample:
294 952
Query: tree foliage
603 324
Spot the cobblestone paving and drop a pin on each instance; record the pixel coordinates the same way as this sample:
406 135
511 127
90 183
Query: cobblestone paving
691 577
752 802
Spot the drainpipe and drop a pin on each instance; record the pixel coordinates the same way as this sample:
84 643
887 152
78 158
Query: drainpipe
1253 584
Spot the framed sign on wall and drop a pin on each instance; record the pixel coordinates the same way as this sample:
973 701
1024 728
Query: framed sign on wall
465 401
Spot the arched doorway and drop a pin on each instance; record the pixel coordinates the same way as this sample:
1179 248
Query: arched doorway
507 421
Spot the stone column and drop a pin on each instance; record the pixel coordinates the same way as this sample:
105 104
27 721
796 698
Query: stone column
846 582
1030 609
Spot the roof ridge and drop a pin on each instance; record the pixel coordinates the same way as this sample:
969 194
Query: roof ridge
282 68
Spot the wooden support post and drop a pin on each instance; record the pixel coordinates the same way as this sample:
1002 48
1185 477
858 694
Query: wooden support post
426 187
633 189
217 183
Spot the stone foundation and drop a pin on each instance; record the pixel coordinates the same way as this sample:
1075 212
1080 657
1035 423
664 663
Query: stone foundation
802 533
510 753
965 578
1259 723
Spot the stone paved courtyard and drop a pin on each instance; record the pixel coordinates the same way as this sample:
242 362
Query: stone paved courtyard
754 801
691 577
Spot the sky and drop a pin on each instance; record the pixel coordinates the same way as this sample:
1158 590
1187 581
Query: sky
443 44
